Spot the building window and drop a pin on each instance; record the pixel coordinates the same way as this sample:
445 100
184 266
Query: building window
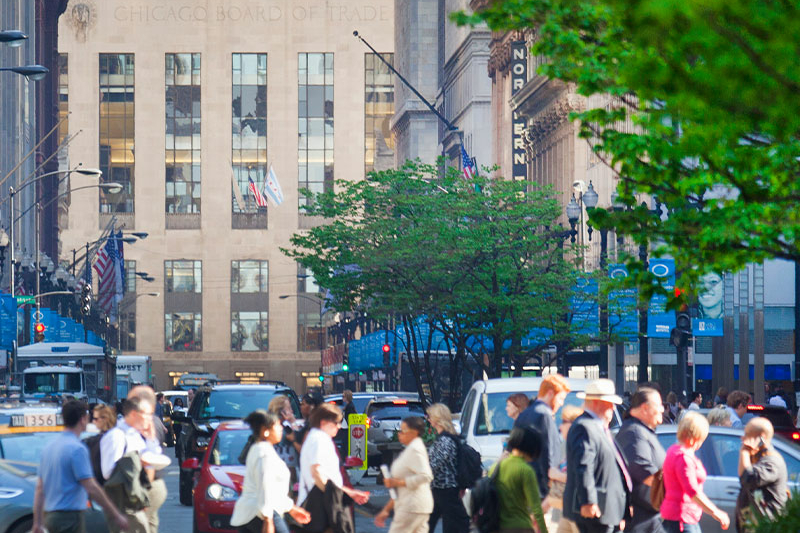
183 332
310 333
249 331
315 123
378 111
117 131
182 152
130 277
249 276
249 128
63 96
183 276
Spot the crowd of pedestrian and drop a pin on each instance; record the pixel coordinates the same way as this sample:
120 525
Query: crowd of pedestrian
576 477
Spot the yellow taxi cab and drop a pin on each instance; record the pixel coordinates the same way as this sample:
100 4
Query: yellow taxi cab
25 430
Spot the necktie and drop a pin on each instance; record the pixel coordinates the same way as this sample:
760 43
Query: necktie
620 461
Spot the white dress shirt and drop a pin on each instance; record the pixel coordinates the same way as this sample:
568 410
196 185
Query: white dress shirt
266 486
117 442
318 449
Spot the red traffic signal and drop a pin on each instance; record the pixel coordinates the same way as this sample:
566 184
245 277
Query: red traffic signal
39 327
386 348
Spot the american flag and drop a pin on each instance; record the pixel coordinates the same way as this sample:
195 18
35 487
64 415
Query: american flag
106 268
260 200
467 164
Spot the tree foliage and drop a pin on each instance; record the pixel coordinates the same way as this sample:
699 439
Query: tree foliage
710 88
488 269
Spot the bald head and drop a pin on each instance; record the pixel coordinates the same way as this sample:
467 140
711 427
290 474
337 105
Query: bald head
143 393
759 427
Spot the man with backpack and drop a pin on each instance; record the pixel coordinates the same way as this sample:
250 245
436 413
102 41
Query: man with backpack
65 478
121 448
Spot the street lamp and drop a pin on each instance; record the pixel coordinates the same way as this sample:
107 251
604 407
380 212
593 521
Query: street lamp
31 72
12 38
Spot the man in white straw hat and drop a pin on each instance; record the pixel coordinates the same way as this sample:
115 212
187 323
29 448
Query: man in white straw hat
598 489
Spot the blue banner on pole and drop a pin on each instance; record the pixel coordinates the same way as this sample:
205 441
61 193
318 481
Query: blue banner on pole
623 320
660 322
585 308
8 321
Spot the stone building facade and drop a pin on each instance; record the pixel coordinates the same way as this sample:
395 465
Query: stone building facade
183 103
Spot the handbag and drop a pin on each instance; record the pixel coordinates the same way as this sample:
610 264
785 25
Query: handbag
657 490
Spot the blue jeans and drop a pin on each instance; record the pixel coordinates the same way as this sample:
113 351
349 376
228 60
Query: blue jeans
673 526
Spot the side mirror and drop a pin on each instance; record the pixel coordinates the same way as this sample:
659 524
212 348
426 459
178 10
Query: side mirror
191 464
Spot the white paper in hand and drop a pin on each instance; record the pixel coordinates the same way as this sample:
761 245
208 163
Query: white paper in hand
386 474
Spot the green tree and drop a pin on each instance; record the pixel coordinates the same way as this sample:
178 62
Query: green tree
408 244
710 88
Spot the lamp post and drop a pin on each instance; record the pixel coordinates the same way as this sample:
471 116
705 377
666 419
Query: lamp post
31 72
12 191
574 210
320 301
12 38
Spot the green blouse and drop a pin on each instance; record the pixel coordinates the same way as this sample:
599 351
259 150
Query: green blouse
519 495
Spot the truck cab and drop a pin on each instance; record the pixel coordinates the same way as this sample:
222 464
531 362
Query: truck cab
40 382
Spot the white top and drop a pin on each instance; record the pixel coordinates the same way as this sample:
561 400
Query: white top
117 442
777 400
693 407
265 488
318 449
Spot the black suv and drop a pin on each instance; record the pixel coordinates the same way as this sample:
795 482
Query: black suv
212 405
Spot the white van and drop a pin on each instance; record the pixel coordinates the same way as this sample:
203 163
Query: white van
484 422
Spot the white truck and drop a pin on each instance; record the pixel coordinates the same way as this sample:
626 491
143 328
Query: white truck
66 368
138 367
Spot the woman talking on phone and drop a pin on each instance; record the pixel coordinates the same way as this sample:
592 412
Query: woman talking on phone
265 491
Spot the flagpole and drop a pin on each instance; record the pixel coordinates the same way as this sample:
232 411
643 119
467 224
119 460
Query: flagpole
449 124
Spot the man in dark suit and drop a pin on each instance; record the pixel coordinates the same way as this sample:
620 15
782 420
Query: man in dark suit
597 493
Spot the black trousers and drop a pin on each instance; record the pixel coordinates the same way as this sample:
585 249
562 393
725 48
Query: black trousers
595 527
448 505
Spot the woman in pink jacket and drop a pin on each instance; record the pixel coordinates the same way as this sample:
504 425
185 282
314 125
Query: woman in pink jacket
684 474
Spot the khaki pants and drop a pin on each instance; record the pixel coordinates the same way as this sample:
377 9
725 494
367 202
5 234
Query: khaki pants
157 495
409 523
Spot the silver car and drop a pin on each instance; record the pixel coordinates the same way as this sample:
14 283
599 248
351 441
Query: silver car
720 456
385 415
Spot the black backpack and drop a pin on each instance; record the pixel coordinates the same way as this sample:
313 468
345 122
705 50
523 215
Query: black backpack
468 463
93 443
484 503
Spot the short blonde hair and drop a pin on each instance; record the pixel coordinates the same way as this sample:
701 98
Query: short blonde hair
570 412
692 427
276 405
347 396
105 417
718 416
441 415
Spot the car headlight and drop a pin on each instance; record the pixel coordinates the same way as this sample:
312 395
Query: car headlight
201 443
220 493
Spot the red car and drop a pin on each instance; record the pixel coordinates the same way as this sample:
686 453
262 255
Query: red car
218 478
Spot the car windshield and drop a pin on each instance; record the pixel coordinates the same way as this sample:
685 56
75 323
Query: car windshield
53 382
240 402
396 412
492 417
228 446
778 417
26 447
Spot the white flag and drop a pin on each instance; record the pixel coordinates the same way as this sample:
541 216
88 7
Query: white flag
237 193
272 189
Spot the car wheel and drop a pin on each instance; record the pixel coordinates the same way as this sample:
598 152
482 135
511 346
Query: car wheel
185 487
24 526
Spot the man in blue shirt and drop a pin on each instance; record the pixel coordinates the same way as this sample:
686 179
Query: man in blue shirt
65 478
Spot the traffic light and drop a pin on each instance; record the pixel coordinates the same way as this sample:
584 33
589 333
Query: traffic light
386 357
681 334
345 363
86 299
38 332
322 378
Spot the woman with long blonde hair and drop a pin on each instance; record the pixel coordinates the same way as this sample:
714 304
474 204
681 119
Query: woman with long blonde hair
443 454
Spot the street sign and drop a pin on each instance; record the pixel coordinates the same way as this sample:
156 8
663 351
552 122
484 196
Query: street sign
357 439
22 300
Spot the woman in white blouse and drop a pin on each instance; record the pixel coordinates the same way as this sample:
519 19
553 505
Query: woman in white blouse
411 476
265 490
